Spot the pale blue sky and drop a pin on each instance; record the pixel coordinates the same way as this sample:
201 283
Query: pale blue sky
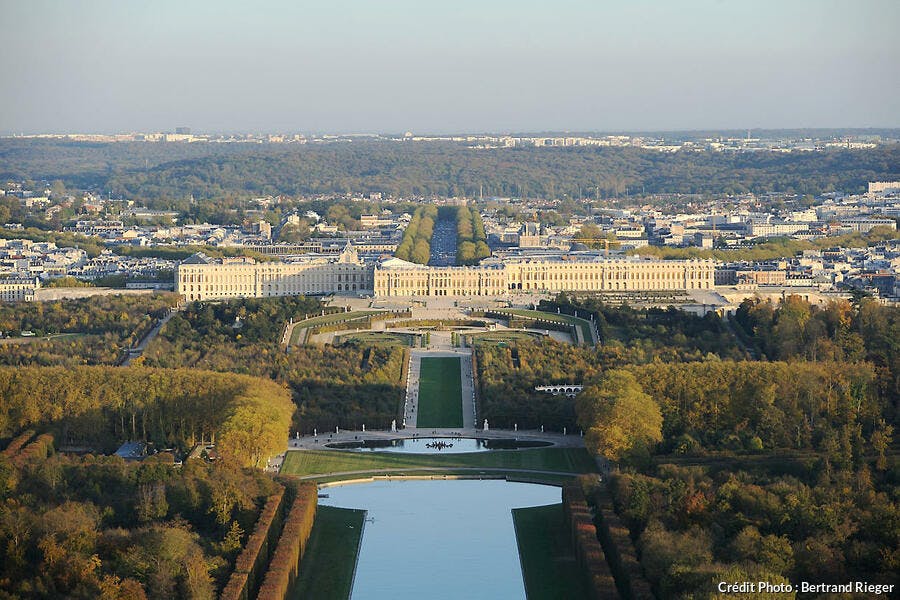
460 65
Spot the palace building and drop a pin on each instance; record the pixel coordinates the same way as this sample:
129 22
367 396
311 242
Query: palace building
581 272
203 278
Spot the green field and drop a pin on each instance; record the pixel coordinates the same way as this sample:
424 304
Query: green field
315 462
440 393
545 550
582 324
321 320
508 336
326 571
379 338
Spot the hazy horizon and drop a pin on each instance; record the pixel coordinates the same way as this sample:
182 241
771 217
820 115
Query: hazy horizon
111 66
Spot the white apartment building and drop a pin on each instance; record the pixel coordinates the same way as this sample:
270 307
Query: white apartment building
17 289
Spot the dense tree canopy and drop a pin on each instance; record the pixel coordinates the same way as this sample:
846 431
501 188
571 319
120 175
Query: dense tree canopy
618 416
95 330
98 527
345 387
416 243
100 407
168 174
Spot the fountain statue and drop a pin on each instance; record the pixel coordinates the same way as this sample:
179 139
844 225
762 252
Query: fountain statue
486 427
394 424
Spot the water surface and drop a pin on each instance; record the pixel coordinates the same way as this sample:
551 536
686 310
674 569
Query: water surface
439 540
436 445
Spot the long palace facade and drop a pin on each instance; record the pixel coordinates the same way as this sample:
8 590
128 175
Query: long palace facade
202 278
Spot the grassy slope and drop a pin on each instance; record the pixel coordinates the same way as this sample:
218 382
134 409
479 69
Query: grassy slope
328 320
378 338
545 550
440 393
326 572
583 324
495 337
311 462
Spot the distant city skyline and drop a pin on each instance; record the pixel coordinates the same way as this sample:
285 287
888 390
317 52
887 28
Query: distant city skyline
353 67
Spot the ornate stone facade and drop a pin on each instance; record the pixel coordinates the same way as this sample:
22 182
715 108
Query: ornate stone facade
201 278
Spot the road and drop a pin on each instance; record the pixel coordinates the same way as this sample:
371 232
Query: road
138 350
316 442
443 243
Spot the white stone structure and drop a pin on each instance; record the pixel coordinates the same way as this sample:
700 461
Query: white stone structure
202 278
569 273
17 289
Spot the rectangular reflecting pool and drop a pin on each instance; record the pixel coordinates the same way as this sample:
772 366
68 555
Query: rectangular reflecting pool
439 539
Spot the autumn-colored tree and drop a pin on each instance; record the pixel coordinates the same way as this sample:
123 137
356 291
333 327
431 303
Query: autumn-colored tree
618 416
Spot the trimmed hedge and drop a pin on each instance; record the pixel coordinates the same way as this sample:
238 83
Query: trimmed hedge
17 442
285 564
620 553
39 449
251 562
600 582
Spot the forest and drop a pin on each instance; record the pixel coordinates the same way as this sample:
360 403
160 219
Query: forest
697 525
840 331
93 331
508 374
168 174
100 407
346 387
729 468
96 527
92 525
779 469
756 447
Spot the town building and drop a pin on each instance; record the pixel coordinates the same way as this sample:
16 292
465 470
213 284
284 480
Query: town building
18 289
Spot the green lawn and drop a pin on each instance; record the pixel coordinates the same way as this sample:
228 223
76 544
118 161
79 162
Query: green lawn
546 554
583 324
326 571
314 462
328 320
440 393
509 336
379 338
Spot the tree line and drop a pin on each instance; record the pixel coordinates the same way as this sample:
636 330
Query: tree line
776 470
167 173
97 527
771 248
99 329
345 387
99 407
416 243
471 241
